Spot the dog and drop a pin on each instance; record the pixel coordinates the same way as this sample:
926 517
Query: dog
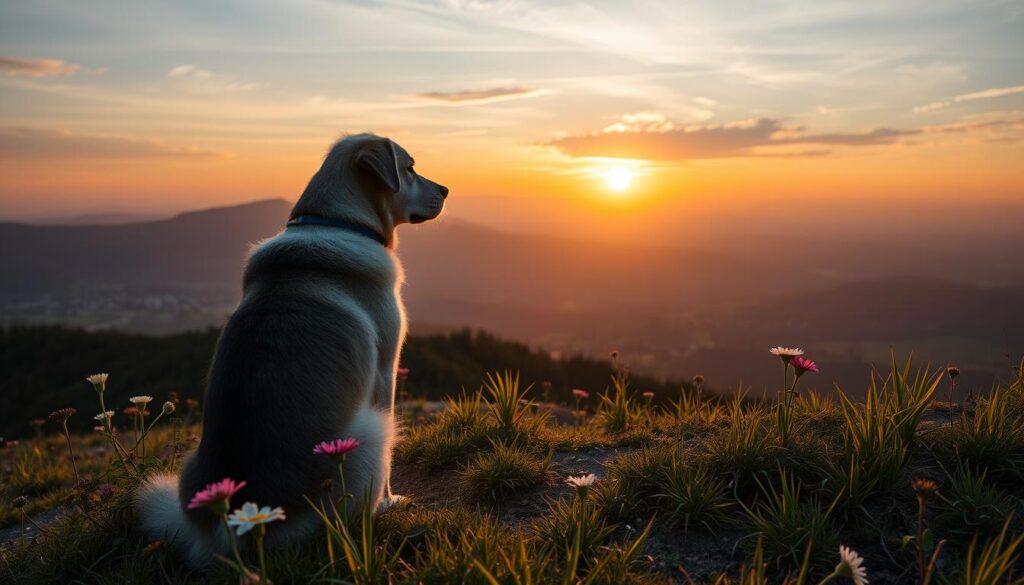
309 355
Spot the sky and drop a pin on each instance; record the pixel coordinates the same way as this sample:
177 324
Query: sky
532 112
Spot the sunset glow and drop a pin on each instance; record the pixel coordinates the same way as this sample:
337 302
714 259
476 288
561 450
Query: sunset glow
722 108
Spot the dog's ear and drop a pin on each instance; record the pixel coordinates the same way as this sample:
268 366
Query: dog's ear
378 157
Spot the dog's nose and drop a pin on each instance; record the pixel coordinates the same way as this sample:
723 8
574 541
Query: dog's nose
444 191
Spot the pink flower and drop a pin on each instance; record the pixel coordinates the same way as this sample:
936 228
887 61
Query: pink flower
648 394
336 449
216 496
403 372
804 365
580 393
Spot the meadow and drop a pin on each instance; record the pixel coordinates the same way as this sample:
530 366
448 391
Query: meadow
619 484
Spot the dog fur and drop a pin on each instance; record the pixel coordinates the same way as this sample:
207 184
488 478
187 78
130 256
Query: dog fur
309 355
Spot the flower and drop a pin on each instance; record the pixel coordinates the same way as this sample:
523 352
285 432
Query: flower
925 488
336 449
582 483
12 444
698 379
250 579
615 354
953 371
63 414
19 502
131 411
786 353
580 393
140 400
216 496
104 416
581 480
168 407
403 372
851 565
648 394
250 515
803 365
98 381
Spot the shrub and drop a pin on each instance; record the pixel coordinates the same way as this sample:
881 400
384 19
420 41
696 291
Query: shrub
617 411
693 495
973 506
787 526
507 469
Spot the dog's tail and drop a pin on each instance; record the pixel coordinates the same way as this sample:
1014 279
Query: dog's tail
161 517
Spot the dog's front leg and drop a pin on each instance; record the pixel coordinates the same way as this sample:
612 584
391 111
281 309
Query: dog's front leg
385 399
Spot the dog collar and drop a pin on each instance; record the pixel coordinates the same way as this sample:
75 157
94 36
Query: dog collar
341 224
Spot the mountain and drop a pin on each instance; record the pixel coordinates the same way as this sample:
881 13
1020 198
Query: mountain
674 310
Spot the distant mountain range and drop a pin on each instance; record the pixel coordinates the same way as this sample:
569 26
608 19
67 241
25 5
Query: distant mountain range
673 310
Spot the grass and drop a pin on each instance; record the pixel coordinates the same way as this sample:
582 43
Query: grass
693 493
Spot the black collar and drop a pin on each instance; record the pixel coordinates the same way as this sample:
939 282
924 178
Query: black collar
339 223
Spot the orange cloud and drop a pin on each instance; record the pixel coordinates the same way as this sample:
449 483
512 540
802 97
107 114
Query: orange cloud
16 66
664 141
40 143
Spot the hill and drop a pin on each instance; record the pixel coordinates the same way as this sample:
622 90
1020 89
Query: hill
45 369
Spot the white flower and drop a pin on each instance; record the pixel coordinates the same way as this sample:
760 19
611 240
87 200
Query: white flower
98 381
786 352
140 400
851 565
582 480
168 407
250 515
104 416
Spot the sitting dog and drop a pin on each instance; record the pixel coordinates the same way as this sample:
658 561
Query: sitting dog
309 355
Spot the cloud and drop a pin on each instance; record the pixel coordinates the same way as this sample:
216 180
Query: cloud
984 94
207 81
189 71
42 143
482 96
16 66
654 138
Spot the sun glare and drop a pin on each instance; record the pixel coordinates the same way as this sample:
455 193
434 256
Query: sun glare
618 178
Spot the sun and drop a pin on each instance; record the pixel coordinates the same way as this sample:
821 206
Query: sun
618 178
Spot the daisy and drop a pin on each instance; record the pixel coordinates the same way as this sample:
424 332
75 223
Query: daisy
216 496
140 401
803 365
168 407
104 416
851 565
786 353
250 516
580 393
98 381
336 449
581 480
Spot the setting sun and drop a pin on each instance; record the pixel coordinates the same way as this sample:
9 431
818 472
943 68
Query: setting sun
618 178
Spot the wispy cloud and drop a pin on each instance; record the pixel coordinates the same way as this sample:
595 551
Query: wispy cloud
204 80
42 143
482 96
18 66
652 137
984 94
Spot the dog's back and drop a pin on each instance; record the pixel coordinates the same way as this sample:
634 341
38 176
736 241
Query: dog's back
299 362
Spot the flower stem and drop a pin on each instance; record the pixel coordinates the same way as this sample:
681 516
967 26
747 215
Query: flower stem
344 492
234 546
261 533
71 452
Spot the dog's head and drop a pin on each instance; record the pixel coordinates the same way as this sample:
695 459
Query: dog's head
409 196
372 181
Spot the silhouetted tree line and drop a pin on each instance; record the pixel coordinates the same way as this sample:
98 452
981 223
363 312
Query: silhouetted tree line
44 368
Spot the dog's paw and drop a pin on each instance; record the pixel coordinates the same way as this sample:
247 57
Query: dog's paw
393 501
